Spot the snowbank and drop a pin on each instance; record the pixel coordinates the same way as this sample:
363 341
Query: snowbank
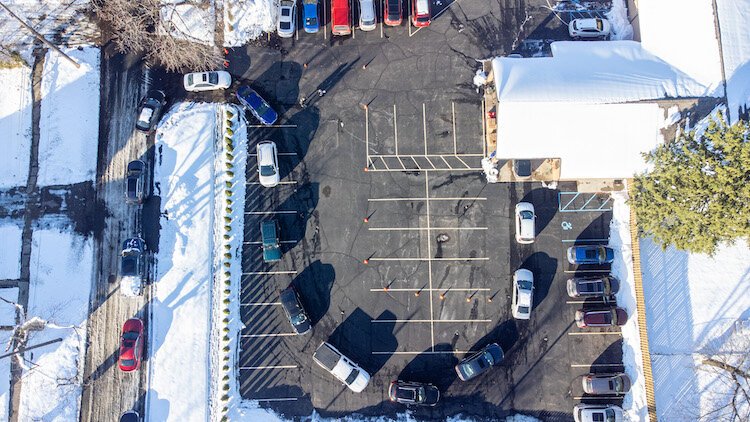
618 17
247 20
8 307
180 323
61 277
191 22
592 73
634 403
734 19
10 245
15 125
69 124
683 34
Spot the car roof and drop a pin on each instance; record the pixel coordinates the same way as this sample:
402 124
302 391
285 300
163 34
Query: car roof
265 153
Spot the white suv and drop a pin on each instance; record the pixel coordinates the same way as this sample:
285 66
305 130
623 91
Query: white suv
591 28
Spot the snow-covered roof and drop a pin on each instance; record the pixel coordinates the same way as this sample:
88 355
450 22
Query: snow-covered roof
592 140
592 73
683 34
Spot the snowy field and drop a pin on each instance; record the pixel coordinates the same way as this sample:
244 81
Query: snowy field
181 306
246 20
61 278
69 126
15 125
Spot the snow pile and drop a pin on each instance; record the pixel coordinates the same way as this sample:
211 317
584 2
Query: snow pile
10 245
131 286
634 403
15 125
247 20
181 314
8 307
69 124
734 19
592 73
683 34
618 17
61 278
189 21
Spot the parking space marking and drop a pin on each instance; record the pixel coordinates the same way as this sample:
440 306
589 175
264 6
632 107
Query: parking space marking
586 271
270 212
453 120
278 153
424 199
604 199
431 321
272 126
260 304
424 228
573 302
290 182
430 259
424 129
433 352
596 398
429 250
367 135
277 399
594 365
585 240
395 128
261 368
453 289
269 272
282 241
594 333
484 130
268 335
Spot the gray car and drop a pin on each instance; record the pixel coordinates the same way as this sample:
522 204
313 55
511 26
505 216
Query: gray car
480 362
606 384
592 286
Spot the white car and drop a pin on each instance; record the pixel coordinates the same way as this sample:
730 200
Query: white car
597 412
525 223
207 81
590 28
268 164
287 23
368 21
523 294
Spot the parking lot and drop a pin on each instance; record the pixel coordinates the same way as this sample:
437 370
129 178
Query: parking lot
402 253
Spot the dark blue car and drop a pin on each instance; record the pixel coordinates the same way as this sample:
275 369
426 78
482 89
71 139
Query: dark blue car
310 16
590 254
257 105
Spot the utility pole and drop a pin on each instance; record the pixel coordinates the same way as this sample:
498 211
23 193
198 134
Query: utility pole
39 36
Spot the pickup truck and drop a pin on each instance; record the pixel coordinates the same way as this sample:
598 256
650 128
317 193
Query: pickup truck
341 367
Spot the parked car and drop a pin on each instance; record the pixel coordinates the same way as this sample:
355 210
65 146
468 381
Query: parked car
597 413
341 23
392 15
589 28
130 416
341 367
294 311
136 188
590 254
287 22
413 393
310 16
257 105
480 362
133 266
268 164
523 294
368 20
420 13
592 286
207 81
525 223
150 111
131 345
269 233
605 384
609 317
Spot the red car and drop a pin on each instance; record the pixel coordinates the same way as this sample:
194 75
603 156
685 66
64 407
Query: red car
601 317
131 345
392 12
420 14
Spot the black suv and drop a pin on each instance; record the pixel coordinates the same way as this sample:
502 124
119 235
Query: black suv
136 189
413 393
592 286
294 311
150 111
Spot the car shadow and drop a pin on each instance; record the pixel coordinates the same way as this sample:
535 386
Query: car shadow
545 206
347 338
314 285
544 268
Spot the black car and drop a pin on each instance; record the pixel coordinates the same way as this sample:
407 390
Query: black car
133 265
480 362
136 188
130 416
294 311
413 393
592 286
150 111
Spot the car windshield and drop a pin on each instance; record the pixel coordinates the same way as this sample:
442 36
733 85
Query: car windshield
423 18
525 285
488 358
352 376
286 11
523 309
262 108
132 182
213 78
128 362
527 215
267 171
130 335
128 266
285 25
298 319
190 79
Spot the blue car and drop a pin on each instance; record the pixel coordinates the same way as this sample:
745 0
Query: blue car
590 254
310 16
257 105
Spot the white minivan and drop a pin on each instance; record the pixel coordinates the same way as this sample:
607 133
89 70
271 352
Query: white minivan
368 21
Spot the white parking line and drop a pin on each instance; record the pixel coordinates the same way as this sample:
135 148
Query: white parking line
425 199
395 128
260 304
429 247
269 272
595 333
268 335
290 182
270 212
433 352
431 259
578 302
594 365
453 110
424 127
586 271
585 240
596 398
260 243
258 368
424 228
367 135
271 125
423 321
278 153
277 399
452 289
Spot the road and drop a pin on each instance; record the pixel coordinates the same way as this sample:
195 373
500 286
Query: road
107 391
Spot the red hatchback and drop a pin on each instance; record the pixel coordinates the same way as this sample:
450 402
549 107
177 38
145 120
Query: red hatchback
131 345
392 12
601 317
420 13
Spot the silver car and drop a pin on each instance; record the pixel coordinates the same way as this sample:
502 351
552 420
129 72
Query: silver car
268 164
597 413
287 23
207 81
590 28
606 384
368 21
525 223
523 294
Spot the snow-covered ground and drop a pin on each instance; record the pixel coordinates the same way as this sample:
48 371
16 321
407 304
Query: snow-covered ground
15 125
181 306
734 19
193 21
69 125
246 20
10 245
61 270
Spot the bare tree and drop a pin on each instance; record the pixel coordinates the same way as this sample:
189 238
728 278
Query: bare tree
141 27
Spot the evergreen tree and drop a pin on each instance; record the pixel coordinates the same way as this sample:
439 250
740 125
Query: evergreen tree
697 194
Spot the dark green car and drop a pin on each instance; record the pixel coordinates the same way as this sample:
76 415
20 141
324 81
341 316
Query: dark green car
269 232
